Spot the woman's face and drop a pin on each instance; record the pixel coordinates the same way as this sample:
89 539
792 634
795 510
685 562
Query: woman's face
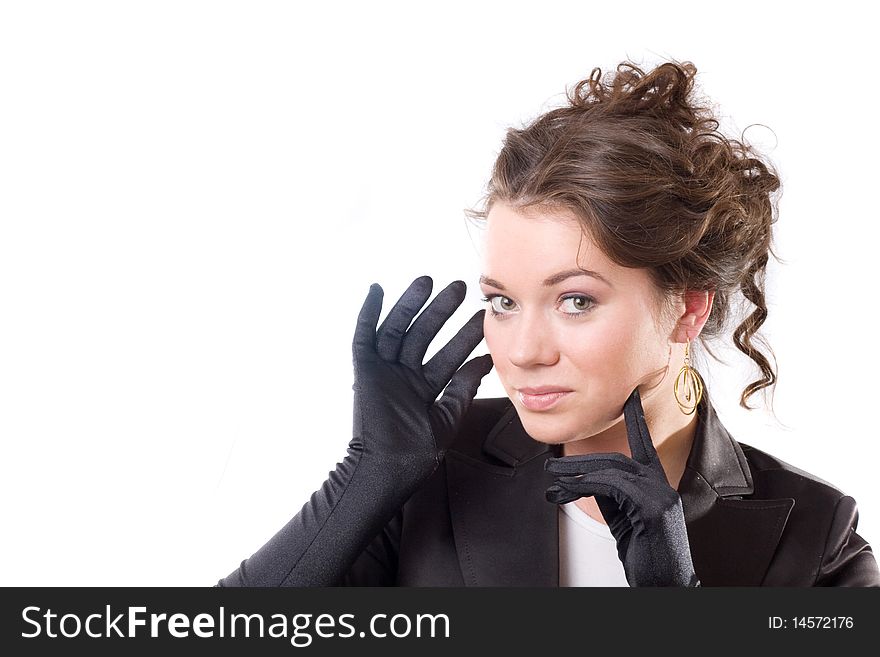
595 338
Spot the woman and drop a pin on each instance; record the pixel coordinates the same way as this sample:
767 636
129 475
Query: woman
619 231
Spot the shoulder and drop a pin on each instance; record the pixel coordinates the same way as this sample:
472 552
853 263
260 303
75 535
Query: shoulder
821 526
822 512
774 477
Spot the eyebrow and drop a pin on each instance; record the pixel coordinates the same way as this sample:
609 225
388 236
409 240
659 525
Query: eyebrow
550 281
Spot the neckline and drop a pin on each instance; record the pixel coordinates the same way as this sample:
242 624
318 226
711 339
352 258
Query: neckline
585 520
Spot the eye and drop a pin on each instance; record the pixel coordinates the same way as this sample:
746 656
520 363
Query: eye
500 308
581 303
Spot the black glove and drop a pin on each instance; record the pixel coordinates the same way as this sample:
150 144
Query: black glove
643 511
401 432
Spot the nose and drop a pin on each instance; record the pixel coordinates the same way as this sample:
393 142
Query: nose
531 341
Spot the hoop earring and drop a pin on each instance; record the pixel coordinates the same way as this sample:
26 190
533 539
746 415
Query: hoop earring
692 383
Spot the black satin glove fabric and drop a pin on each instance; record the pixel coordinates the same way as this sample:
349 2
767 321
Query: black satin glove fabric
400 434
643 512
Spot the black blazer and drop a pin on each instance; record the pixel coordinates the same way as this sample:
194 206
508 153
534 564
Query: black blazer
482 519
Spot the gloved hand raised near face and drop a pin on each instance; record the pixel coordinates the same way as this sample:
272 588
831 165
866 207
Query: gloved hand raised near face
401 432
398 421
643 512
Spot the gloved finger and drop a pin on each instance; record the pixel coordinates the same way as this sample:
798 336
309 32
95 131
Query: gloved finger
584 463
615 517
638 436
391 332
561 494
609 509
615 484
365 331
457 398
428 325
439 370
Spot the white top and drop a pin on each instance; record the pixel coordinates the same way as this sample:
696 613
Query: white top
587 551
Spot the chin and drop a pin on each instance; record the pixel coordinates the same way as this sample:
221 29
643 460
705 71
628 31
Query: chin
547 429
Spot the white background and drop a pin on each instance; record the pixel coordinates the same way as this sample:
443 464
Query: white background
196 196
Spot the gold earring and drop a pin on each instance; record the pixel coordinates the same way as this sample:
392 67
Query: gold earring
691 381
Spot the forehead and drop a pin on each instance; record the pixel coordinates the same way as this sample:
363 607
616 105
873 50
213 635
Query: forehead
539 241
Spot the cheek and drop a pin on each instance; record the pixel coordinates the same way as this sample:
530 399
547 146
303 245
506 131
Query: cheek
613 352
497 344
601 350
490 335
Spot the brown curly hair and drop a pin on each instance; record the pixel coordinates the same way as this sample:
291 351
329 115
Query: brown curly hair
639 160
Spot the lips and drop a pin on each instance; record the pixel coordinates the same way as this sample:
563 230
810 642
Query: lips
542 397
543 390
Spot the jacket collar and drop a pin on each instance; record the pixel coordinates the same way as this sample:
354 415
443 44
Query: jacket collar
715 457
507 534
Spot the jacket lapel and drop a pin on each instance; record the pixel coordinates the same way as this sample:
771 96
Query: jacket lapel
507 533
732 539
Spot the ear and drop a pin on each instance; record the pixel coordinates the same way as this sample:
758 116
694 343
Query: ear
697 306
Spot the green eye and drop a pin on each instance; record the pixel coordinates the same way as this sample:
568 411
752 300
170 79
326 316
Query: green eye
580 306
492 309
581 302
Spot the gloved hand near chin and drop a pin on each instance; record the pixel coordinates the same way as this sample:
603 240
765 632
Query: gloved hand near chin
401 432
643 512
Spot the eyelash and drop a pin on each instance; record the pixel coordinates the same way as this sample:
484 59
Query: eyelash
591 300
